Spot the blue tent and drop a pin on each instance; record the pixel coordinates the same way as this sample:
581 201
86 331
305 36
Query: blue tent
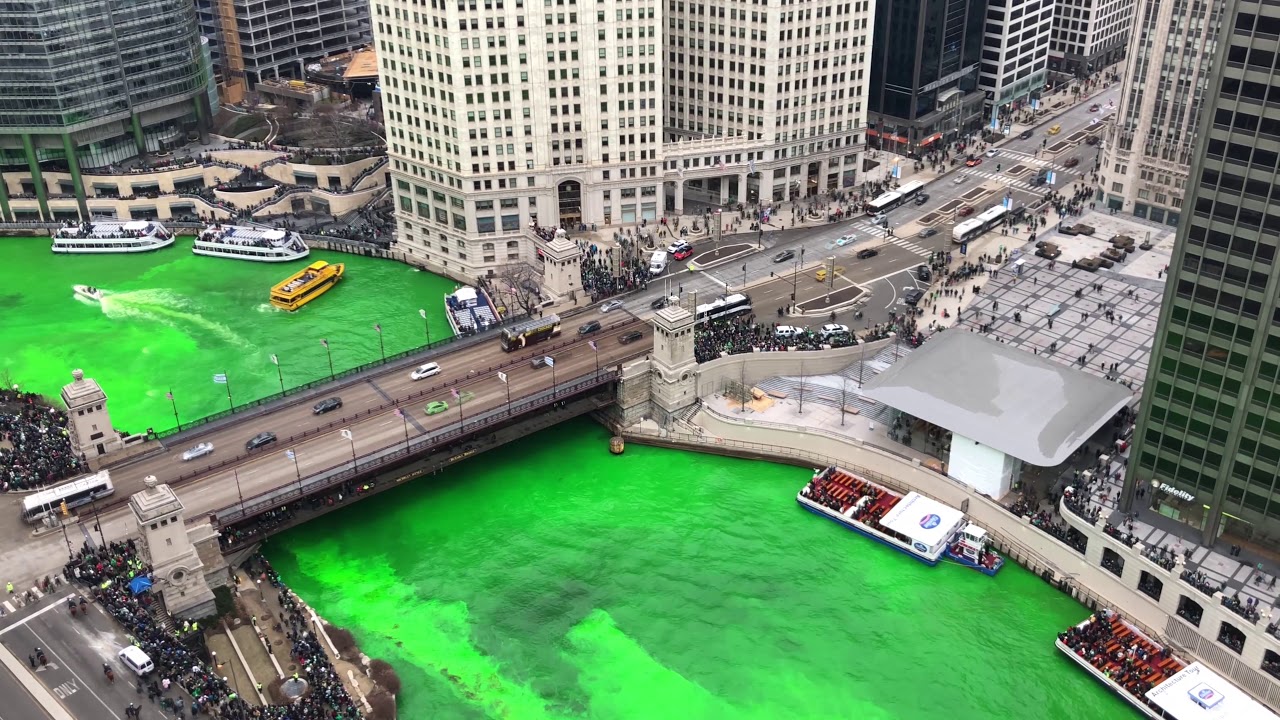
140 584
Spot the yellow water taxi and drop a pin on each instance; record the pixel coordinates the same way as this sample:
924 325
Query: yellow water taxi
306 285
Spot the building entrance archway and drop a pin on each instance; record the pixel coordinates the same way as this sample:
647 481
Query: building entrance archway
569 197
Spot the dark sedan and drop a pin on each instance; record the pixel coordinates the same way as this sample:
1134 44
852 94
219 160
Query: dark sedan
784 256
325 406
630 337
866 253
260 440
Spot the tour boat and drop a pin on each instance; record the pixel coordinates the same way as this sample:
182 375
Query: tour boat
912 524
239 242
88 292
306 285
470 311
110 236
1118 642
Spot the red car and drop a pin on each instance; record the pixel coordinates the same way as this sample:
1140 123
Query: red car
1095 107
682 253
965 211
973 162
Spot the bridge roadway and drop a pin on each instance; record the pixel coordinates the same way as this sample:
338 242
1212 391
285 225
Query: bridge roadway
368 411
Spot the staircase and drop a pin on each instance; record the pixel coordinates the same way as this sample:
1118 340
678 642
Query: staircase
824 394
162 617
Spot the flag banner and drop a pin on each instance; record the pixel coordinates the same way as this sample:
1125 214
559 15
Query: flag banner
593 345
549 361
324 343
399 413
220 378
378 327
502 376
423 314
290 454
346 434
454 392
274 360
168 395
751 166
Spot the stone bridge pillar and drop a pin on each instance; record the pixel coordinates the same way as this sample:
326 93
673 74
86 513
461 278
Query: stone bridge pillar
562 271
674 370
90 428
177 570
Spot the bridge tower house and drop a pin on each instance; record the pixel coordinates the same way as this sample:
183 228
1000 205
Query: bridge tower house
562 269
90 429
169 544
674 371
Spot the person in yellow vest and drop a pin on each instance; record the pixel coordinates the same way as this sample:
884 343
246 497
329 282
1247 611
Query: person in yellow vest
9 586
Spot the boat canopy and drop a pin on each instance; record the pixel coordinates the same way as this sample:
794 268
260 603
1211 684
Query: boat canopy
273 234
465 295
138 225
928 523
1198 692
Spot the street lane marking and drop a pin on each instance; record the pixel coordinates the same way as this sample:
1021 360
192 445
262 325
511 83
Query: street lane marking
7 607
716 280
37 592
36 614
45 644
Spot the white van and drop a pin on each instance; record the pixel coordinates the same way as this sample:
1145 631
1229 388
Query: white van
658 262
786 332
136 660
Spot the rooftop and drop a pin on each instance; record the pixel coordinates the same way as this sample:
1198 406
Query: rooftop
1019 403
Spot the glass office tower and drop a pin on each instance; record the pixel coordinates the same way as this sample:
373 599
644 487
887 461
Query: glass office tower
91 83
1207 444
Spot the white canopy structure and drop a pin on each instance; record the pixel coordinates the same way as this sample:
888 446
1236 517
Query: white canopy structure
1198 693
926 522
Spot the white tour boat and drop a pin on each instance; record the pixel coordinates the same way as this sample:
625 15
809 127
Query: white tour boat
111 236
240 242
470 311
88 292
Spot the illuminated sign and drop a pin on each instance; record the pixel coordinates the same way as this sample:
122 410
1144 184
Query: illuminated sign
1181 494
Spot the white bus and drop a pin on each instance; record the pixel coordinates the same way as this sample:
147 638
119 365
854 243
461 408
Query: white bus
82 491
726 307
890 200
973 227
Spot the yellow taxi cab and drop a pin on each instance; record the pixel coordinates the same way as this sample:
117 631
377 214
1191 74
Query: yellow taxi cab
1055 129
821 274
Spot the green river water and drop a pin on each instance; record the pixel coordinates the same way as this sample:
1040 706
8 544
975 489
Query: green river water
550 579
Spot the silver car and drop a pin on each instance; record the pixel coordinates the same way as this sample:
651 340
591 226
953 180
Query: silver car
198 451
610 305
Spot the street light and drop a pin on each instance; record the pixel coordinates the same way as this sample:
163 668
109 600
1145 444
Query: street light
328 352
351 439
426 324
382 348
275 360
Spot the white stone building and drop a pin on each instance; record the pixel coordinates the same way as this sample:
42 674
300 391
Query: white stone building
1015 52
501 115
1089 35
1148 152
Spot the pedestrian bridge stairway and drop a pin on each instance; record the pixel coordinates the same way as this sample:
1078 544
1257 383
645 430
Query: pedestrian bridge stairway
162 617
840 388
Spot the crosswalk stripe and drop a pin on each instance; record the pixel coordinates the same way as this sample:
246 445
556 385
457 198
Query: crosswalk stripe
7 607
36 591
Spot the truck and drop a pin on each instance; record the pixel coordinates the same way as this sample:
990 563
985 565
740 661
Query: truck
658 262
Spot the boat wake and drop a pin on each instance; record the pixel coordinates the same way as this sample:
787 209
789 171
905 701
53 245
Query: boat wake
168 308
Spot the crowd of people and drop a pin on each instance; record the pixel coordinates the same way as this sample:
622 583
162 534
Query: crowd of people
1161 555
186 675
35 447
1249 608
235 534
1126 658
1201 582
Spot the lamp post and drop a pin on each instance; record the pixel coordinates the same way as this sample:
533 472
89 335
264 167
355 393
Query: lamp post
97 521
236 472
404 419
503 377
801 410
174 405
351 439
382 348
596 349
275 360
744 276
551 361
426 324
298 470
329 353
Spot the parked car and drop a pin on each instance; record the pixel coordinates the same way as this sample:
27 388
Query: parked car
260 440
924 273
435 407
911 296
425 371
628 338
611 305
588 328
1071 162
927 233
327 405
965 211
784 256
833 330
866 253
1026 134
922 198
204 448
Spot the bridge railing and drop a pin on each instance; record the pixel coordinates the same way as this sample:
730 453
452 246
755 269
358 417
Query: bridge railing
359 465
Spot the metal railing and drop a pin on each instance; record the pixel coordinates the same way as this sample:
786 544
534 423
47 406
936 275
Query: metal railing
336 474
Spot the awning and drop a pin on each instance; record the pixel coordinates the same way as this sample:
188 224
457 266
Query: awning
140 584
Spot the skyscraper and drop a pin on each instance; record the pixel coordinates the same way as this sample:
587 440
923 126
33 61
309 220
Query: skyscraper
1146 159
608 113
89 83
1207 444
1089 35
1014 53
924 73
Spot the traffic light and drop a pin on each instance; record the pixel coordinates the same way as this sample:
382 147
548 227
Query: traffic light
63 508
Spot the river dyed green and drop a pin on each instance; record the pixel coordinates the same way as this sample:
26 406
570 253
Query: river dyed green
550 579
171 320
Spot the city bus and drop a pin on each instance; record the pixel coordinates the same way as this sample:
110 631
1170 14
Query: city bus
37 506
890 200
723 308
523 334
973 227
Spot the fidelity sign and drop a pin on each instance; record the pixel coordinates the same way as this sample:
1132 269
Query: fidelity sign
1183 494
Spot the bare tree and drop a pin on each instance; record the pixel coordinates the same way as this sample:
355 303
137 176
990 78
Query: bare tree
521 286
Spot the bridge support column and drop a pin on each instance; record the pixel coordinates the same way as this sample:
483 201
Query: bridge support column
562 274
170 549
674 384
